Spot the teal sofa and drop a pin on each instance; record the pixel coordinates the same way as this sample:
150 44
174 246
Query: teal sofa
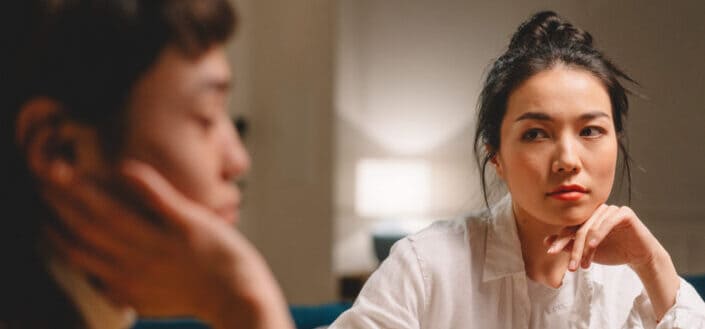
305 317
309 317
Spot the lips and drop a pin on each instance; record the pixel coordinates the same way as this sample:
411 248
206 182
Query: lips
229 213
572 192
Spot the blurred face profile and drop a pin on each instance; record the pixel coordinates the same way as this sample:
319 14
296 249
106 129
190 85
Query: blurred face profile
558 147
177 121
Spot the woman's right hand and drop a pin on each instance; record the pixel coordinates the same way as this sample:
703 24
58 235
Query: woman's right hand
186 261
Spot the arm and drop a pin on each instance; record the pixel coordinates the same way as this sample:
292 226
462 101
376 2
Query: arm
660 281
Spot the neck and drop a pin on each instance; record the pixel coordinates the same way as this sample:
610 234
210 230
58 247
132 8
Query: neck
539 265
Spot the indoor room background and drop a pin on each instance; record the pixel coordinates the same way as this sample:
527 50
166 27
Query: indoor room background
362 113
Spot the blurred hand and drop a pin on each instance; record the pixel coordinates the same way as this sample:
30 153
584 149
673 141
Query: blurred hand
169 257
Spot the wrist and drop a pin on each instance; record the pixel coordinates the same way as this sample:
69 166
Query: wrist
660 280
257 304
655 263
260 311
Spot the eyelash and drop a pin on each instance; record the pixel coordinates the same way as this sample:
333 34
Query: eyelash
533 133
599 130
525 136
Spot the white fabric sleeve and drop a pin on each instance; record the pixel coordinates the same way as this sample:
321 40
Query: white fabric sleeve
393 297
687 312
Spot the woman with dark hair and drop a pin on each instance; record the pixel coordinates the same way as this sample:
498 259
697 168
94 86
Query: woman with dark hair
127 99
551 253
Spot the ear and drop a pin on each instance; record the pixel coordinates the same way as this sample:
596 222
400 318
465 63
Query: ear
496 161
50 141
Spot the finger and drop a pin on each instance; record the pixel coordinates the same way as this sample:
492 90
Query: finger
579 242
116 297
82 259
587 258
614 219
85 232
592 239
548 240
559 244
108 278
105 213
177 210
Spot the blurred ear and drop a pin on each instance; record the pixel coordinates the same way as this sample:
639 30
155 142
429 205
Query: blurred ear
51 141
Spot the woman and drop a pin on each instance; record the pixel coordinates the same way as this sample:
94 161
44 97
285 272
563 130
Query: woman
551 254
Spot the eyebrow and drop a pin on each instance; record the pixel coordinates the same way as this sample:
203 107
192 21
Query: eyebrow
220 85
545 117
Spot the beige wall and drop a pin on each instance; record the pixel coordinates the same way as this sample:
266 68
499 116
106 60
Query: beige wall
283 66
412 69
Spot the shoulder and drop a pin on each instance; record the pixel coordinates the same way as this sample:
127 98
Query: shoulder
446 245
450 236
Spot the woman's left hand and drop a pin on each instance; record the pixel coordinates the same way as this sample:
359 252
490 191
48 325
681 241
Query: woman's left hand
613 236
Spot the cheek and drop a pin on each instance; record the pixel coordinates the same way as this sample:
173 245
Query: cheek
602 169
191 166
186 159
522 164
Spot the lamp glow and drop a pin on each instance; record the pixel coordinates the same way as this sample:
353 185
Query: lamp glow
392 188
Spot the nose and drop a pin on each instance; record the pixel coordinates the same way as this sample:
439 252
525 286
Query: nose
566 159
236 160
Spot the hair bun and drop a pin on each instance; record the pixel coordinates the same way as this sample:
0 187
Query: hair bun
547 28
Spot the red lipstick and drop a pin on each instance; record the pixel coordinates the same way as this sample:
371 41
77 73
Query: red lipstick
568 192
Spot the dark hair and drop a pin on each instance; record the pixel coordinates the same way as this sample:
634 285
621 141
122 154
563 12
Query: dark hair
540 43
86 55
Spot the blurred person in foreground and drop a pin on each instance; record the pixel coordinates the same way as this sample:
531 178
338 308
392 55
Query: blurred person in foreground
118 109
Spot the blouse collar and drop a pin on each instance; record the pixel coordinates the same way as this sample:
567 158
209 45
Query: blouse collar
503 255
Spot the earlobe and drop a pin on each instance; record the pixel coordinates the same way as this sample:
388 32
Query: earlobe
497 164
41 135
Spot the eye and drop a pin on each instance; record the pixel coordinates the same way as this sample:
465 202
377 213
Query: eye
205 122
533 134
592 132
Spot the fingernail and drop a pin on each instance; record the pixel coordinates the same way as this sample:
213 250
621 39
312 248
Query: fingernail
593 243
572 265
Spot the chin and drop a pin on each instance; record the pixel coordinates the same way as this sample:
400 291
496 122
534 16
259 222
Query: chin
572 216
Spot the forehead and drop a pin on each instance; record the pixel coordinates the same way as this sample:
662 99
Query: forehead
561 92
176 80
175 85
176 75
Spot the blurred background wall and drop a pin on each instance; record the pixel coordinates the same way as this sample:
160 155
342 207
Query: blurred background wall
283 66
329 84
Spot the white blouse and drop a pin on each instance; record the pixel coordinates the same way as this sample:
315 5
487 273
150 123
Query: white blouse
469 273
